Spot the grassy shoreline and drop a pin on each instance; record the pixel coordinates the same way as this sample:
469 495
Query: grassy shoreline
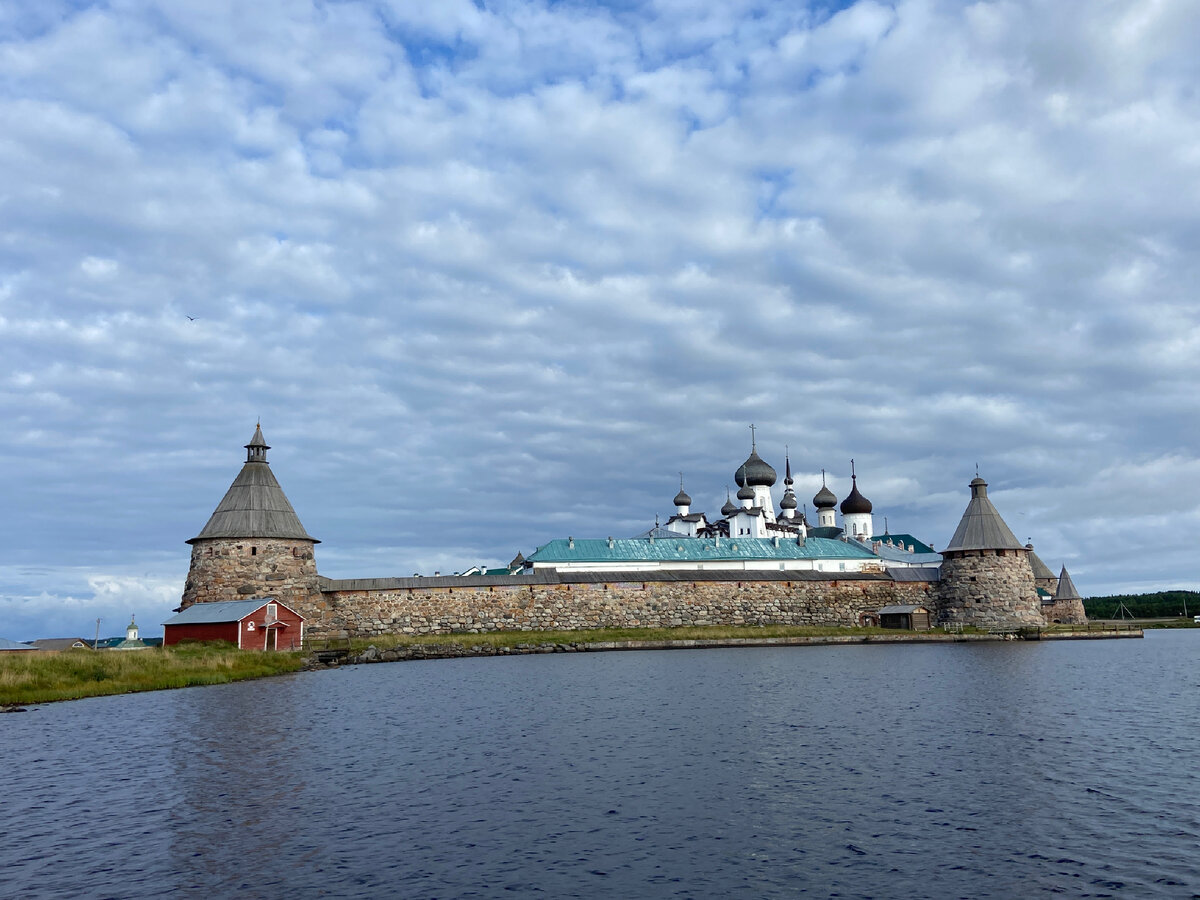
44 677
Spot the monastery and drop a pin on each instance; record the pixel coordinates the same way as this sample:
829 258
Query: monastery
751 564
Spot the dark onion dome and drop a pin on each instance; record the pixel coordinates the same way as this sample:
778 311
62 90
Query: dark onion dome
682 499
729 508
789 500
855 502
824 498
755 471
746 492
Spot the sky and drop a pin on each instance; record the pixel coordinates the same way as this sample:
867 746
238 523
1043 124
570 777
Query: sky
495 273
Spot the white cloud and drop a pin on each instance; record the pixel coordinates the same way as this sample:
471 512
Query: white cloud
510 268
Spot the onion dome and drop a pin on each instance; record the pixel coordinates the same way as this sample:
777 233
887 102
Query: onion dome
787 468
755 471
682 499
825 498
730 507
746 492
789 500
855 502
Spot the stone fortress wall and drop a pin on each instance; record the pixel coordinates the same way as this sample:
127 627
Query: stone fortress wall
580 601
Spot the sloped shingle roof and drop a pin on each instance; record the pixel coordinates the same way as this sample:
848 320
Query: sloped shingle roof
981 527
224 611
1066 587
254 505
1040 569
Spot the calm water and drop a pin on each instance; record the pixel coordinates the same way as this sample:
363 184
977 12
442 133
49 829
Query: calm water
1000 770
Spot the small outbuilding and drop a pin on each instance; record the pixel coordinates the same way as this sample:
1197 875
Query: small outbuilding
258 624
910 618
63 644
15 646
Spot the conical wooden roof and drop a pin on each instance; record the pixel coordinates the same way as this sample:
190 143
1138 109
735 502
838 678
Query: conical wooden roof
1066 587
1040 569
981 527
255 505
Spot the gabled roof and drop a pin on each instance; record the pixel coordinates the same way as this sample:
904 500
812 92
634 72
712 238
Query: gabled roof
678 547
1066 587
224 611
61 643
981 527
255 505
6 644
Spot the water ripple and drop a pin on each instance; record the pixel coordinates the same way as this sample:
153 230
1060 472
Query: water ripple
882 771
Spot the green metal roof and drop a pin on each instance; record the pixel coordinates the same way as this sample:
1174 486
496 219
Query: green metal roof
695 549
904 540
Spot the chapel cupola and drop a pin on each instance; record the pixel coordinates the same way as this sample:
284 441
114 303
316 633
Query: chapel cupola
758 477
682 500
788 504
730 507
826 503
856 510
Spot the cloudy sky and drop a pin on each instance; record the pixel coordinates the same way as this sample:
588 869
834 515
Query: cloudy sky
494 273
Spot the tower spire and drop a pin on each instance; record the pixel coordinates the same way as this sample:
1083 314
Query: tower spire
256 450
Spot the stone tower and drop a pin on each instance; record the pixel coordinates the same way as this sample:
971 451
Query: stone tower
987 581
254 544
1068 605
1042 576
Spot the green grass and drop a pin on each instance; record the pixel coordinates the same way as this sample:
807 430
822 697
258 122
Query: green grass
594 635
70 674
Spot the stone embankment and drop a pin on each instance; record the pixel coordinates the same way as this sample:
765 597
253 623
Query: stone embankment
457 650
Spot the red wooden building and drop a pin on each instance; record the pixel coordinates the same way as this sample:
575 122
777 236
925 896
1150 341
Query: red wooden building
258 624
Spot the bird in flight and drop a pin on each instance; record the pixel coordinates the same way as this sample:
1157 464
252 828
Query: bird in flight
191 318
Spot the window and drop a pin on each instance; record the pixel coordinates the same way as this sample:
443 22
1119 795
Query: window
272 612
254 551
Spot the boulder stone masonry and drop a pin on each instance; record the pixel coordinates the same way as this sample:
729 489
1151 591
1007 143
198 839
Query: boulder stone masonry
989 589
237 569
608 604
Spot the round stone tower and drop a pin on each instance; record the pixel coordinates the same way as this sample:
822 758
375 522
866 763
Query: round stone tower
254 544
986 581
1067 607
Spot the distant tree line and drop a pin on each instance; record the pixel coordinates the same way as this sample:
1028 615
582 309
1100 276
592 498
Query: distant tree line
1145 606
